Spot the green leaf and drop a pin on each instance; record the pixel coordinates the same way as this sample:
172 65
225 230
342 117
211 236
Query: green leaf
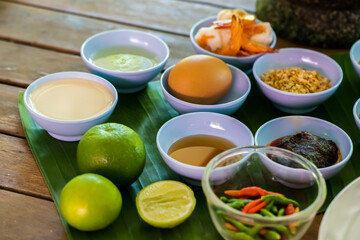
145 112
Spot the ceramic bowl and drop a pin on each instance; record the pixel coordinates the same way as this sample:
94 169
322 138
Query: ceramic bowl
251 171
199 123
356 113
126 82
67 130
232 101
296 103
243 63
355 56
290 125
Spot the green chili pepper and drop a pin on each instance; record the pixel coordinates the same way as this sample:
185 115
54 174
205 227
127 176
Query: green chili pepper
239 235
237 224
254 230
224 199
266 213
272 235
281 212
269 206
238 203
283 229
279 200
274 209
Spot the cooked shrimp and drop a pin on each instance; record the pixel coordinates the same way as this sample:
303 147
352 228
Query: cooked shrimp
212 38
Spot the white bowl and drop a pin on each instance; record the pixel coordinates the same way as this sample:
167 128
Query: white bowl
356 113
232 101
67 130
355 56
296 103
199 123
243 63
126 82
290 125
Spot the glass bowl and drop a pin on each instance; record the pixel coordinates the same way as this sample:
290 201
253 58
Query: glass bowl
272 169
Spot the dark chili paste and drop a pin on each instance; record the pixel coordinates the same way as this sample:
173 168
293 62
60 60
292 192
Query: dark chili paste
320 151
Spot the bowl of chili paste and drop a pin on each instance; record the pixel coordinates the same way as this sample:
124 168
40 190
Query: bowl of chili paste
326 145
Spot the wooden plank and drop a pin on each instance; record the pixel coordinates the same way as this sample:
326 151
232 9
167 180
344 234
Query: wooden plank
248 5
23 64
28 218
19 171
164 15
66 32
10 122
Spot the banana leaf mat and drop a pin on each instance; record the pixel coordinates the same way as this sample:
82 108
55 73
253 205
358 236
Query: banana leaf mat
145 112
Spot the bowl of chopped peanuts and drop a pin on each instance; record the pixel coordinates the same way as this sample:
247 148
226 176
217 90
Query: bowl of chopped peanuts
297 80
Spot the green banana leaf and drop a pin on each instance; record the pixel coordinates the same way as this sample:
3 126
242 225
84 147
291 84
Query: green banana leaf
145 112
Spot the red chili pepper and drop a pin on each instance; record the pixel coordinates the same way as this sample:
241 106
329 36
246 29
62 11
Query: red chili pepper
251 204
289 209
262 231
257 208
249 192
231 227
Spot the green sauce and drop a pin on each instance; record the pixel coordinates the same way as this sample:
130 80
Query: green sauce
124 59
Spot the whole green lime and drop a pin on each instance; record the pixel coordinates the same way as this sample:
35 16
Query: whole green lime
112 150
90 202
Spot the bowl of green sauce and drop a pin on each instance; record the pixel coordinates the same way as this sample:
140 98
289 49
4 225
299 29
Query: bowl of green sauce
129 59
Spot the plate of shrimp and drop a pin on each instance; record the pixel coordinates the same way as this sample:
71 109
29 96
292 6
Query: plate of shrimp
234 36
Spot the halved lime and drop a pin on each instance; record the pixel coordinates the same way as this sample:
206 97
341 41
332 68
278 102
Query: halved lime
165 204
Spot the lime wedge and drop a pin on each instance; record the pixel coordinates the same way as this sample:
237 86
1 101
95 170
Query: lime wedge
165 204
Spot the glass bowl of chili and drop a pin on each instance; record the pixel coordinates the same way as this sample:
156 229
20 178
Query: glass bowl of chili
257 198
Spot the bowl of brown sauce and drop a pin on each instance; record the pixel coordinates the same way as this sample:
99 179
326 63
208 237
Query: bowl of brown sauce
326 145
189 141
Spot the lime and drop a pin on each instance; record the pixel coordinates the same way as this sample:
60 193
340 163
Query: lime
112 150
90 202
165 204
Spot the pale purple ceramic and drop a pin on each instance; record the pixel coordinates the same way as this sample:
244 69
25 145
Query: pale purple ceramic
199 123
297 57
290 125
67 130
126 82
356 113
355 56
233 100
243 63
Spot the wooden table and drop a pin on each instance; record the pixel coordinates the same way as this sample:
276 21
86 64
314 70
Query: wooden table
38 37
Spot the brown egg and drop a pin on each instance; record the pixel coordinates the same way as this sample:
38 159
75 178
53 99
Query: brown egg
200 79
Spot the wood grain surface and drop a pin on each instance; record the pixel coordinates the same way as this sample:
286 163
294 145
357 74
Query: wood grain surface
19 170
28 218
65 32
38 37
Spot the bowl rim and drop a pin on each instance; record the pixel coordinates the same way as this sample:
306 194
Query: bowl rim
183 165
352 54
303 214
192 39
355 113
334 166
301 95
101 81
215 105
112 72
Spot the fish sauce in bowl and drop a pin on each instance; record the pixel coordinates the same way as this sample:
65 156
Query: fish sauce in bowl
198 150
